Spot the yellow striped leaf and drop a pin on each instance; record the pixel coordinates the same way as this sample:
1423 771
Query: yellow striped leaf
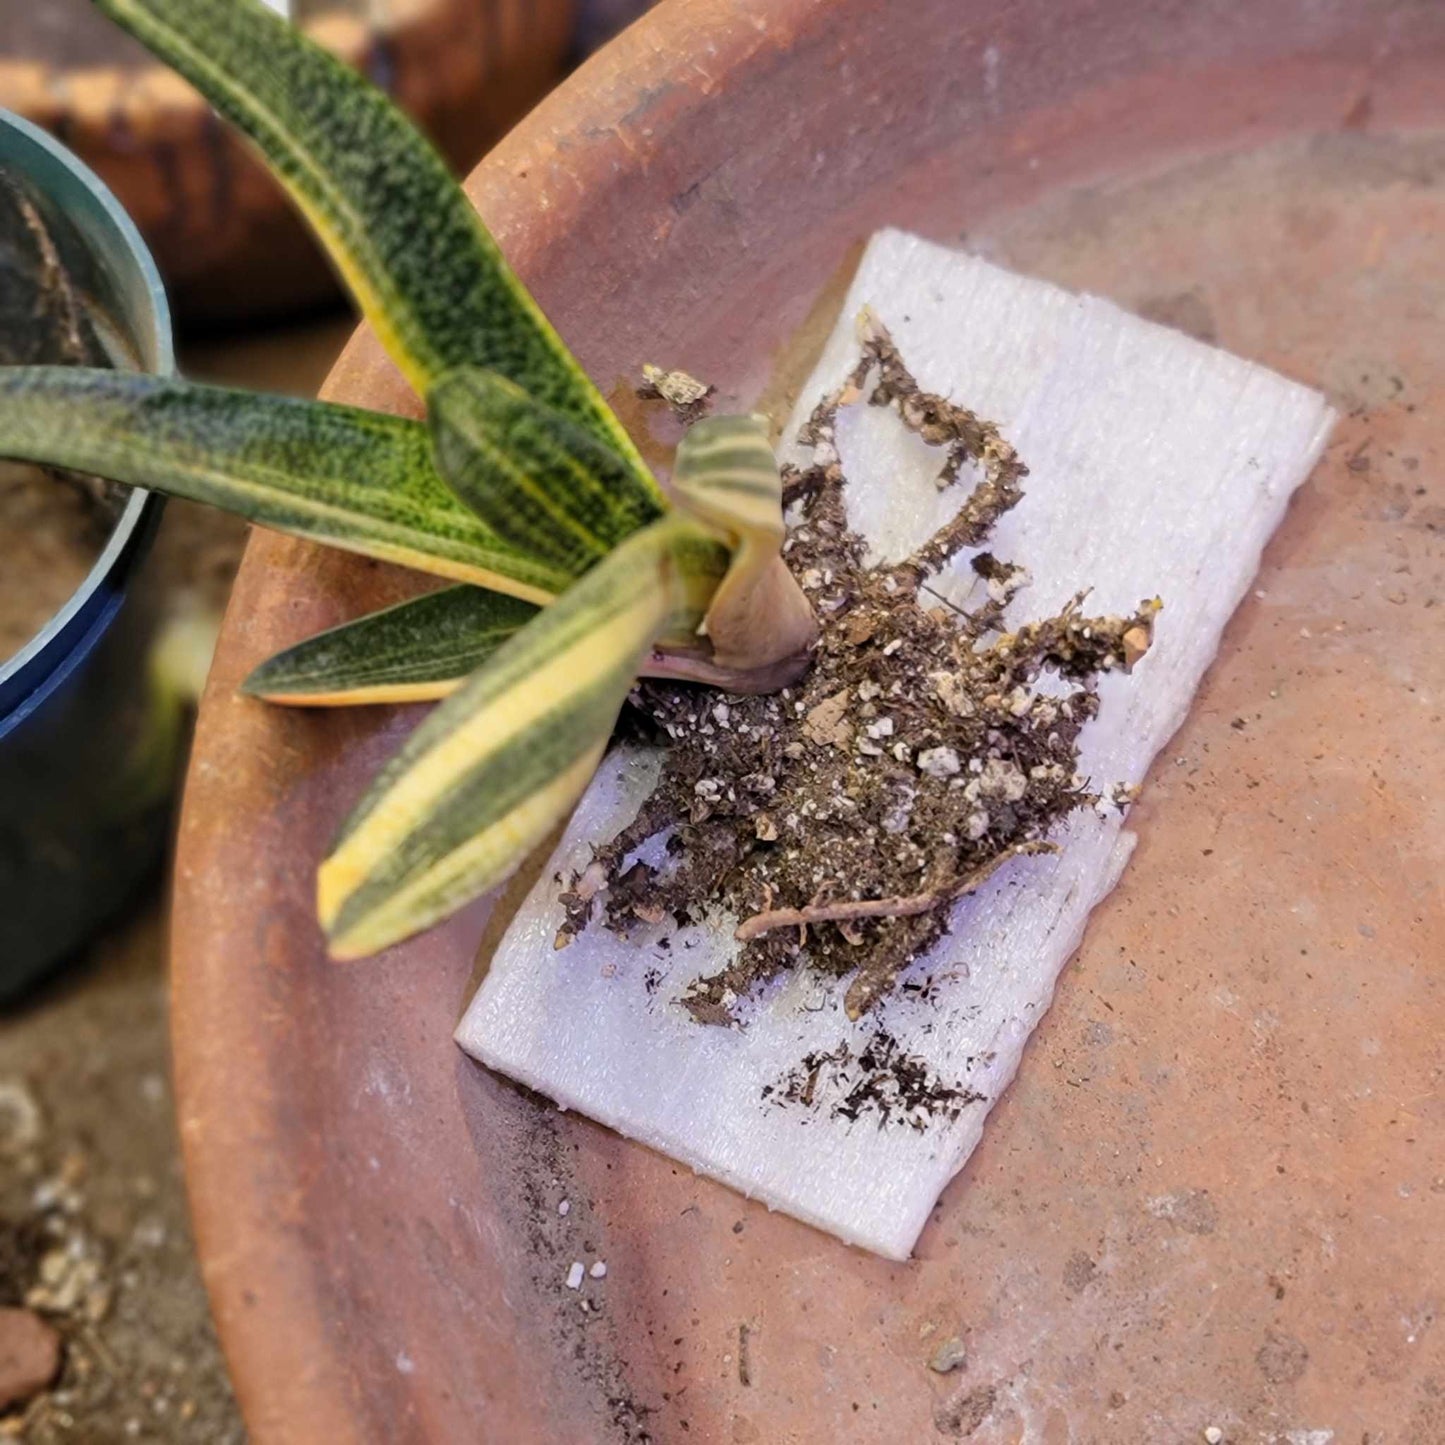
501 761
407 241
726 475
353 479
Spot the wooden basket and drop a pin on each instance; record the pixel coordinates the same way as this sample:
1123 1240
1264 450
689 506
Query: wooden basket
228 242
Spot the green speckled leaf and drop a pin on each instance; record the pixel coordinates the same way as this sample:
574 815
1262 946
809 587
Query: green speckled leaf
408 242
417 651
352 479
541 482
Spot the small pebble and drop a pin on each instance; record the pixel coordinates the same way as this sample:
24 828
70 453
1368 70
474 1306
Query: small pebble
950 1355
564 1208
598 1270
20 1120
1213 1435
574 1275
29 1356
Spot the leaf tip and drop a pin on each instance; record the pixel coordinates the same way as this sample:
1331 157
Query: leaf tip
346 949
255 684
332 889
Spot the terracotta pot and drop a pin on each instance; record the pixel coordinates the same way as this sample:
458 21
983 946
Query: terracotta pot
227 239
1213 1195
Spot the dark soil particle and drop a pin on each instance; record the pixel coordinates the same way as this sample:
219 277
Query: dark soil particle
882 1080
839 819
961 1417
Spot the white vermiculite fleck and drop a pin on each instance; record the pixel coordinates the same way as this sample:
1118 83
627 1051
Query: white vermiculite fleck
1157 465
938 762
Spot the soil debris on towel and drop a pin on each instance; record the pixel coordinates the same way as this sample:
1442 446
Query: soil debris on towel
882 1080
926 747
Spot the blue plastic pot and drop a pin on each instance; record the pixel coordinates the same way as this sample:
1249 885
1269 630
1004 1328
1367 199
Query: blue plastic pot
85 742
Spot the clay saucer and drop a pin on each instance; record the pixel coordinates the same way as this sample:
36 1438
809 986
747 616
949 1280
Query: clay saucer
1214 1195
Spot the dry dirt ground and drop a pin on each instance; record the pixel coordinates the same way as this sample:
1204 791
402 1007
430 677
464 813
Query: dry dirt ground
92 1206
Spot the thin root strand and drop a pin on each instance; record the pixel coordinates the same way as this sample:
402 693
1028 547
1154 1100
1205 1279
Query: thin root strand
852 910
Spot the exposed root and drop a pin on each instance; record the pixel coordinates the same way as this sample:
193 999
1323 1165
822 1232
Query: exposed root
850 910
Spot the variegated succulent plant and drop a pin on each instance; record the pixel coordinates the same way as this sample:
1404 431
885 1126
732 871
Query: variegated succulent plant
575 568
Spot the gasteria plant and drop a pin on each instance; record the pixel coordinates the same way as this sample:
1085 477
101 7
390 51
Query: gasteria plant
577 570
